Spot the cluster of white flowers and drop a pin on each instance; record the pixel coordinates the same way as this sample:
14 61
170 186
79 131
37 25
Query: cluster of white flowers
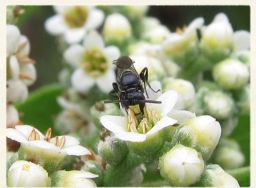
198 79
21 71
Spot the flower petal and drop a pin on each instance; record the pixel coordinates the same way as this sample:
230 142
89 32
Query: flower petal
15 135
69 140
55 25
13 36
164 122
195 24
95 19
80 81
74 35
181 115
27 129
14 67
93 40
242 40
115 124
168 100
131 136
105 82
60 9
30 71
156 85
76 150
23 46
73 55
43 145
83 174
112 53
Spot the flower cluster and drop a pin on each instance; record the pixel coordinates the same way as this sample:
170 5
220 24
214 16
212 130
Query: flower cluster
202 83
21 71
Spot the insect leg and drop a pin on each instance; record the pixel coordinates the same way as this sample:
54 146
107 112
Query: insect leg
144 78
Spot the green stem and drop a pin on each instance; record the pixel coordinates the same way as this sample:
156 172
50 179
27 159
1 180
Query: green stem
242 175
121 174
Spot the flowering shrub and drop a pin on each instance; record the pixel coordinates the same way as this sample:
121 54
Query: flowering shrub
185 140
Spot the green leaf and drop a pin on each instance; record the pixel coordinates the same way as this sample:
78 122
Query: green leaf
41 107
242 175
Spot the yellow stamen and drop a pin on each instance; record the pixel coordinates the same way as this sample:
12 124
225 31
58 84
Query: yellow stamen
48 134
132 121
60 142
33 136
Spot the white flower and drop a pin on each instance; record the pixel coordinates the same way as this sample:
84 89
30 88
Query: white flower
12 116
145 48
31 137
177 42
231 74
181 166
242 40
73 21
157 35
117 28
158 113
19 65
73 178
27 174
93 62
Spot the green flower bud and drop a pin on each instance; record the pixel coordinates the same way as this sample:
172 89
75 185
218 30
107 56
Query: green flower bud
27 174
185 90
73 178
11 158
95 168
202 133
112 150
243 56
215 176
117 29
181 166
218 104
228 155
228 125
244 100
231 74
156 35
134 12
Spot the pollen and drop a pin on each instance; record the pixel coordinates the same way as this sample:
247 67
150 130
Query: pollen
33 136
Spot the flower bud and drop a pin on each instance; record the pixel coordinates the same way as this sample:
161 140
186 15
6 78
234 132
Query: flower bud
231 74
202 133
17 91
134 12
27 174
185 90
218 37
156 35
243 56
218 104
95 168
12 116
73 178
11 157
112 150
181 166
215 176
117 29
228 155
244 100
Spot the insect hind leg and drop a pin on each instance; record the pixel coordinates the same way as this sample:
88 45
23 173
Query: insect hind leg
144 78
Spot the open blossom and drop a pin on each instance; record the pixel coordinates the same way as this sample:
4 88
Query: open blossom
93 63
73 21
177 42
126 128
32 137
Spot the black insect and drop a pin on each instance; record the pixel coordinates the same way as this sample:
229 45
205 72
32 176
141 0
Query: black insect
130 86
